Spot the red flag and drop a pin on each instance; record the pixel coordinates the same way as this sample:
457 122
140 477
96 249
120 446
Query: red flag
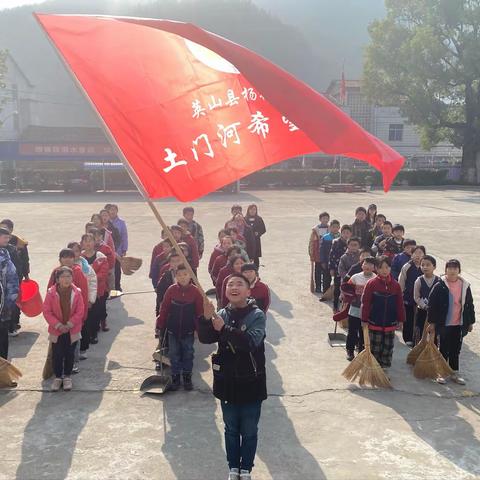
192 111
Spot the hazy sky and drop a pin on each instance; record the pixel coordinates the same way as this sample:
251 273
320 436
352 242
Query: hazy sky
16 3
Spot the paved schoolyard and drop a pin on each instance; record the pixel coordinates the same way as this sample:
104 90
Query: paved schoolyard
314 425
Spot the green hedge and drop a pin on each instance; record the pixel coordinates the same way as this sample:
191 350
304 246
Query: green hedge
315 178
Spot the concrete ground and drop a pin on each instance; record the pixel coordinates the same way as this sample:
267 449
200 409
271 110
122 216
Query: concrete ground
315 425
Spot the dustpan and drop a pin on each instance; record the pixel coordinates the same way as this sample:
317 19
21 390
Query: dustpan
338 339
157 384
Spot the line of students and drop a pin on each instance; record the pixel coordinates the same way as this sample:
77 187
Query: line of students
238 327
75 306
396 290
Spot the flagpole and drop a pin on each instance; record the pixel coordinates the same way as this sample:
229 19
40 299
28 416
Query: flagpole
130 170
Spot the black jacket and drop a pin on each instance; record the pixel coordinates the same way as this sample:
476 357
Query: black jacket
239 365
438 303
258 226
23 260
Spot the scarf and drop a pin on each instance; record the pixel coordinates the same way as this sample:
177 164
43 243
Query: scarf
65 295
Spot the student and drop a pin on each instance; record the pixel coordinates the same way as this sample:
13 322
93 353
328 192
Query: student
63 310
421 293
14 312
239 330
355 332
234 260
451 315
234 210
159 261
239 241
314 245
66 258
87 270
98 261
167 279
181 234
8 291
349 258
325 248
219 249
259 291
401 259
371 214
195 229
246 232
361 227
181 308
394 245
102 247
256 223
339 247
106 233
222 260
22 266
380 242
357 267
382 308
121 249
408 275
157 249
376 231
108 225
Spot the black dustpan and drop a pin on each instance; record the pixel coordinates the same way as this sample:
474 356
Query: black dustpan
157 384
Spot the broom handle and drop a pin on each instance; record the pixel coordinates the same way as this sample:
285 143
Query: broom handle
366 336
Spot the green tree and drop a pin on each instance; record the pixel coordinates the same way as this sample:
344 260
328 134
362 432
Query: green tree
425 57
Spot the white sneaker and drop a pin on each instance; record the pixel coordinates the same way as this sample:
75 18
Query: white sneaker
234 474
56 384
245 475
441 380
457 379
13 334
67 384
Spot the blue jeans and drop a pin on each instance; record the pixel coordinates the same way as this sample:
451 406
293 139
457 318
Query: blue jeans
241 433
180 351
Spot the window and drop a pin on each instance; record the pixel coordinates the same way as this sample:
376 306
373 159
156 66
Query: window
395 132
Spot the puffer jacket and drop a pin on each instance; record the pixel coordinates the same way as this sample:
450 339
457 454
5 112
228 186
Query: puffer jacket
8 285
52 311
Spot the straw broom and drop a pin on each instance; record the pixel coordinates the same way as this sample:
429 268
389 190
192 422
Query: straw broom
8 373
430 363
366 368
419 347
48 367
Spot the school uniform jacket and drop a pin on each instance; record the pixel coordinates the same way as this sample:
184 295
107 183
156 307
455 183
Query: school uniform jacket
439 300
382 304
339 247
180 310
315 242
100 266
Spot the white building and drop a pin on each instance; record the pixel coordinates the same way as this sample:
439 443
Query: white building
387 124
